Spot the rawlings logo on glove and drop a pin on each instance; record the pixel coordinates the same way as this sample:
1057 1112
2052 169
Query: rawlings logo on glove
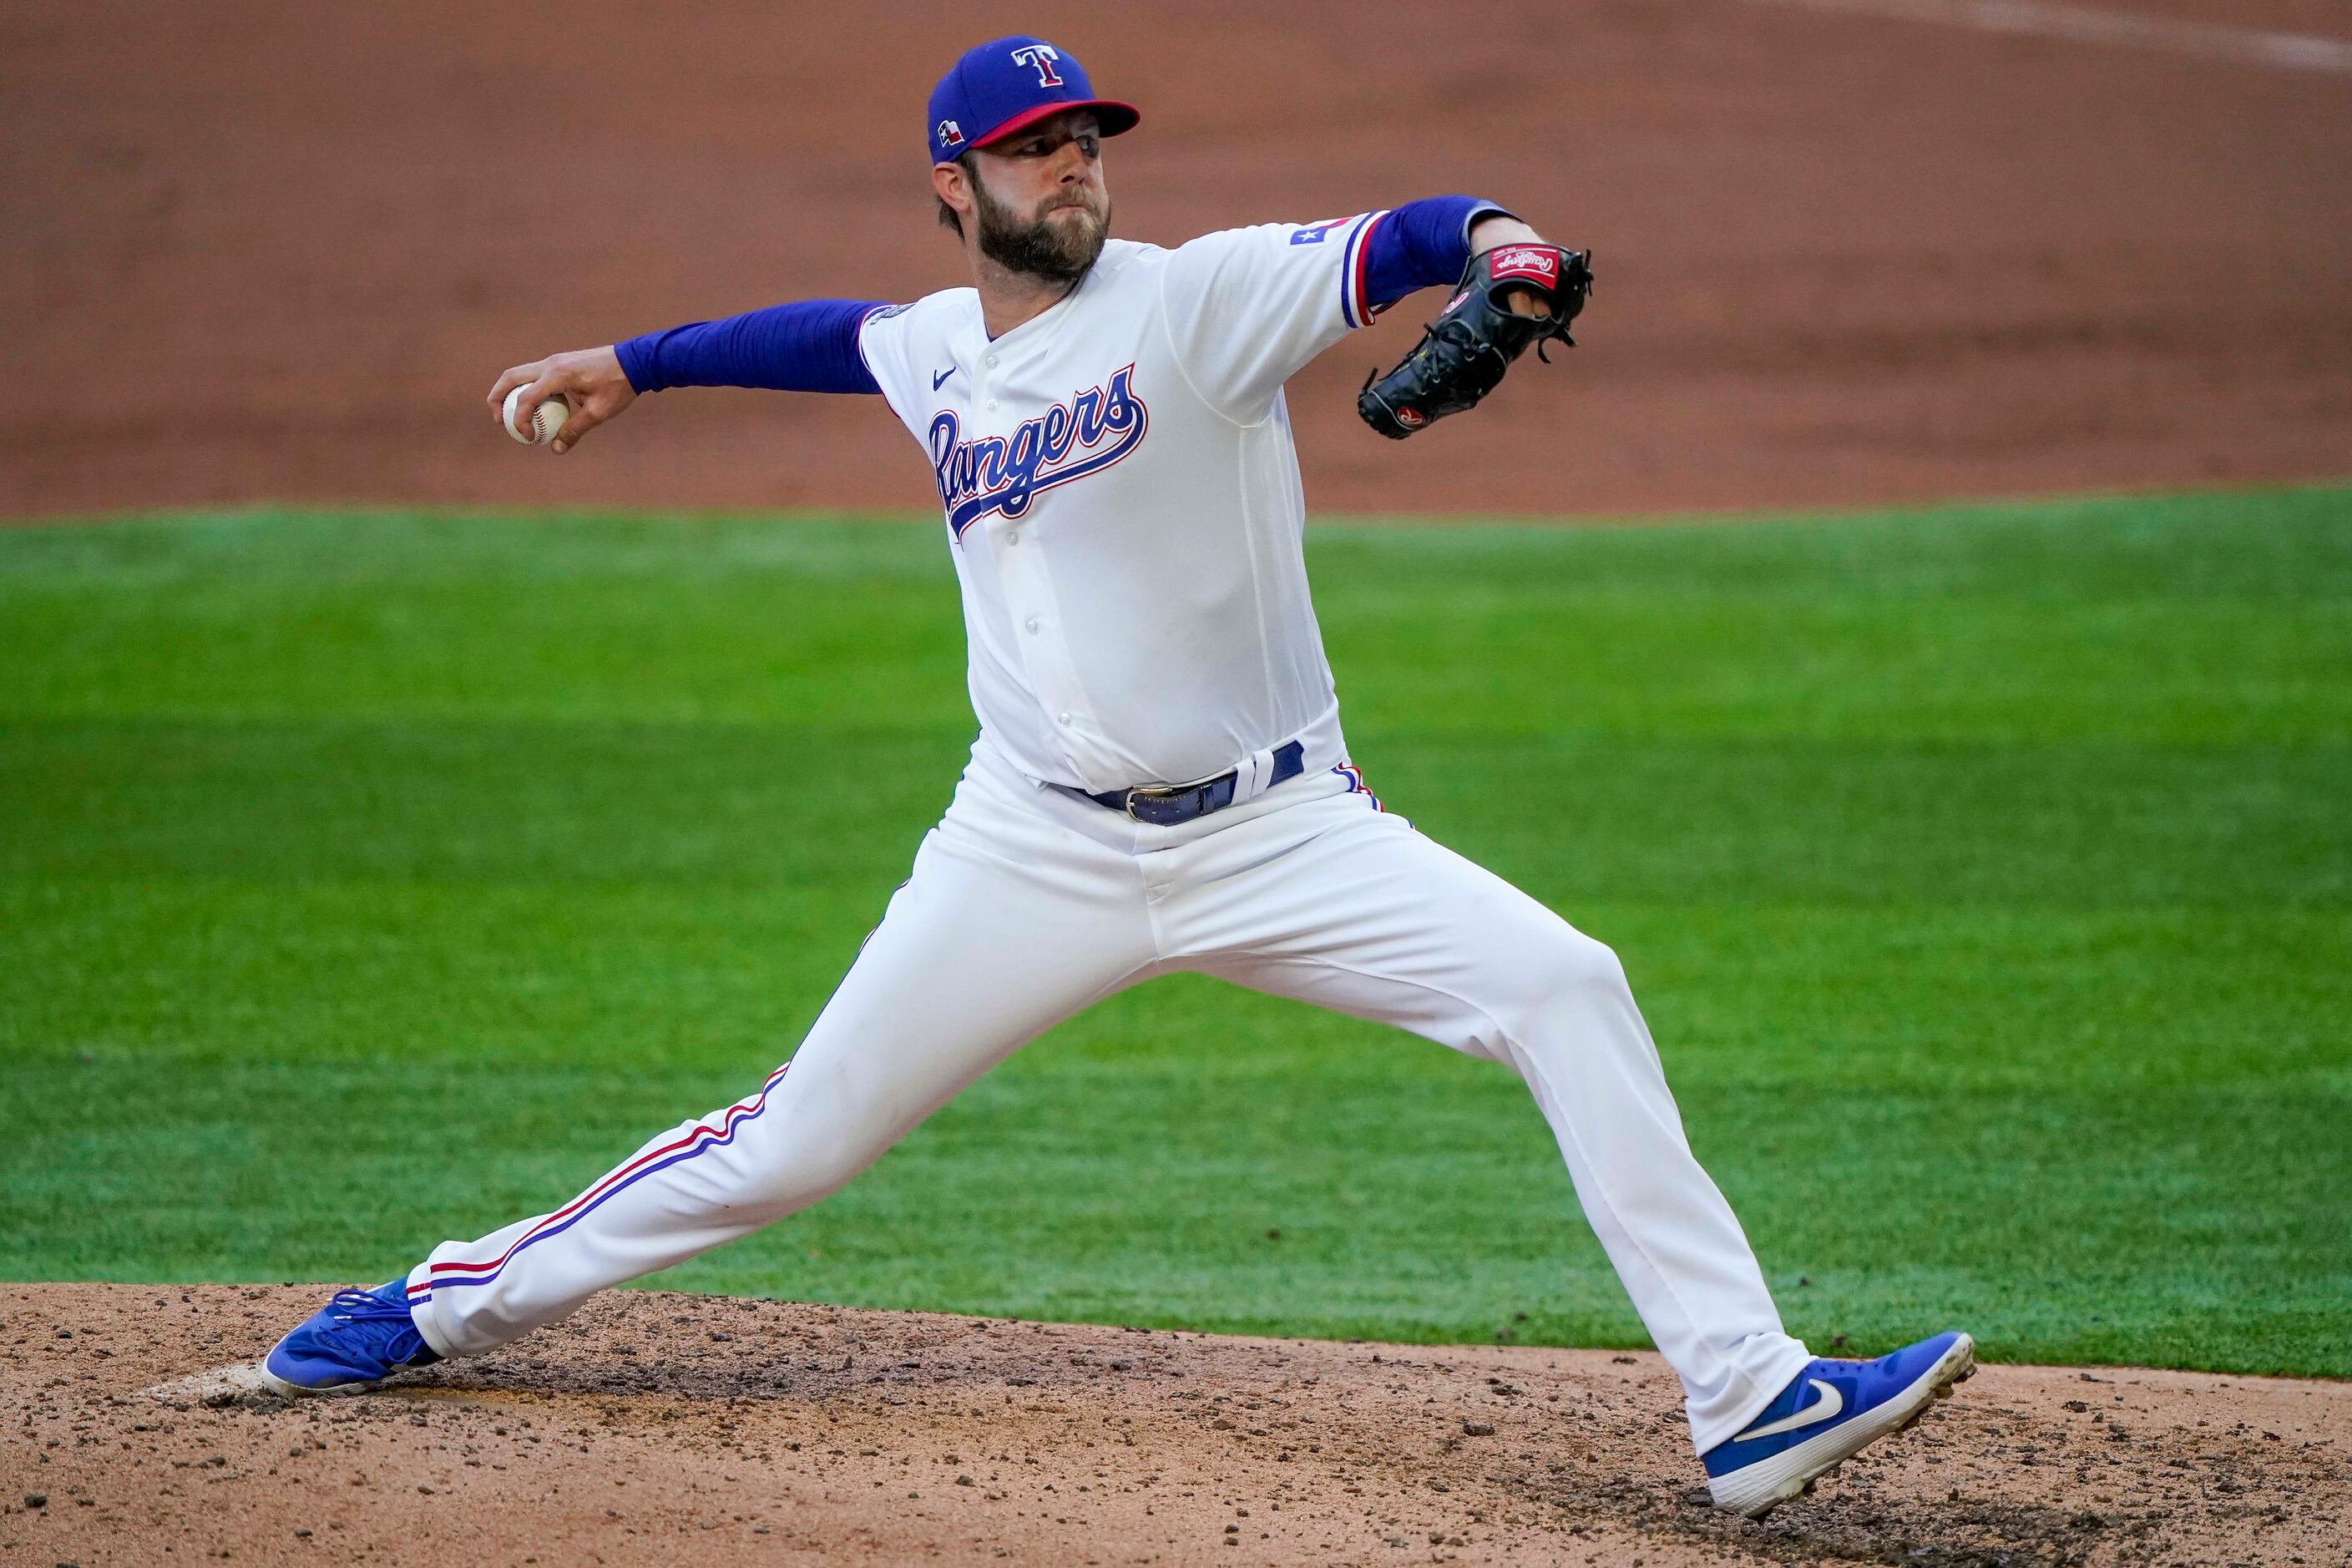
1536 263
1476 339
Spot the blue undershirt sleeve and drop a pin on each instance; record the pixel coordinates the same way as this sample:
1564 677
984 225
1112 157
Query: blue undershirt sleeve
1420 245
810 345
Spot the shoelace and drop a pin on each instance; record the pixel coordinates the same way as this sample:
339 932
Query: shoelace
359 1306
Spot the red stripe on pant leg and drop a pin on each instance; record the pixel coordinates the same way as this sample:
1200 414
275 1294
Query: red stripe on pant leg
739 1109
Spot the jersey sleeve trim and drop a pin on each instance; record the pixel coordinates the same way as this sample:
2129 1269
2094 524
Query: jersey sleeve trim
1353 308
857 337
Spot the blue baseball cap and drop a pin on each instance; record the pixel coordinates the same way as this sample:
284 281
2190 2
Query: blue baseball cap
1007 84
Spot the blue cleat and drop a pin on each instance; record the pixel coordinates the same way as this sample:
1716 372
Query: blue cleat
356 1338
1827 1415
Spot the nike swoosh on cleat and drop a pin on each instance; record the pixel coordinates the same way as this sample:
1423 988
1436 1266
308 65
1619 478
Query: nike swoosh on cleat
938 378
1823 1409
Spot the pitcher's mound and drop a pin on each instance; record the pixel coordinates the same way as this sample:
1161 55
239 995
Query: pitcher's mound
662 1428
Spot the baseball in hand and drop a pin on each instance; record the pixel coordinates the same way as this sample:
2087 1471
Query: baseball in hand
544 424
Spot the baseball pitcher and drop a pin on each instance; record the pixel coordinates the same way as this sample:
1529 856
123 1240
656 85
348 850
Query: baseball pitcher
1160 782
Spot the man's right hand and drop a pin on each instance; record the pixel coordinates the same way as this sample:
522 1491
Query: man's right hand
590 380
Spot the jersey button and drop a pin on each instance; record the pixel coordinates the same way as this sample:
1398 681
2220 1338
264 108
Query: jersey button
992 360
991 402
1063 719
1031 623
1011 536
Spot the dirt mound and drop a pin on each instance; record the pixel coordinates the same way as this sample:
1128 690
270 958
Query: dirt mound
655 1426
257 248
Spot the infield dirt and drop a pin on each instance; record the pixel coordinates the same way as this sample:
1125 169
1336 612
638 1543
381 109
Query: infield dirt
261 250
659 1428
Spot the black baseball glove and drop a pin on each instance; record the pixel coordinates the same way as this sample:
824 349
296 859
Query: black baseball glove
1463 356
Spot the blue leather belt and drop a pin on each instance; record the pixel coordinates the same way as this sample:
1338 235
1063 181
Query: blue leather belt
1164 806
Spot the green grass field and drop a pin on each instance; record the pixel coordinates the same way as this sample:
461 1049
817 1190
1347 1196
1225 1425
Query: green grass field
1986 875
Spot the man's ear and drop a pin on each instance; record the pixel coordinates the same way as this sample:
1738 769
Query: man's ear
948 180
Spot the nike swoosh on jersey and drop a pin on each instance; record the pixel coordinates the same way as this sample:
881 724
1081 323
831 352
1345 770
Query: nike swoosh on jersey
1823 1409
939 378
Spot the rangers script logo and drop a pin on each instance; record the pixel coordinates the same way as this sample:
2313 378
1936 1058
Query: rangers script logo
994 474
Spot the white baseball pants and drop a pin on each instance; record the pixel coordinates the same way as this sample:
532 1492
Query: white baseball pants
1026 906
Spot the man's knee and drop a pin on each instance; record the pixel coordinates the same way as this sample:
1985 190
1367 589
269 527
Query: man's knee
810 1147
1576 972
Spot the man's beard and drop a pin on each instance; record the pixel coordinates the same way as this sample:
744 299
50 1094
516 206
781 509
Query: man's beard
1040 247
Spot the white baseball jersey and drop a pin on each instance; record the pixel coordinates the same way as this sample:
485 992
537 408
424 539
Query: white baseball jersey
1124 499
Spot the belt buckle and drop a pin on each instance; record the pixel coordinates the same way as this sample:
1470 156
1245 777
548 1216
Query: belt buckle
1166 791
